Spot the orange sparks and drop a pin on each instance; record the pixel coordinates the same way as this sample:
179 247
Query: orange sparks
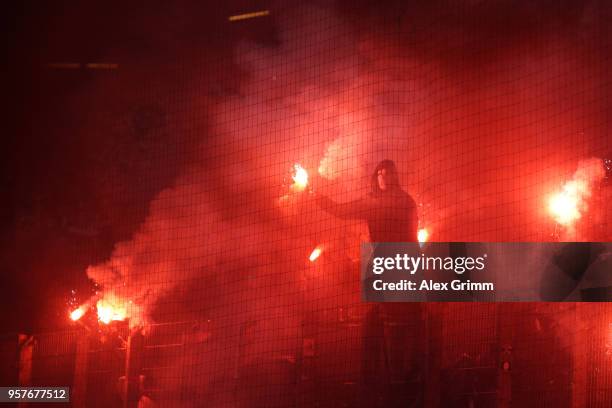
300 178
423 235
315 254
108 312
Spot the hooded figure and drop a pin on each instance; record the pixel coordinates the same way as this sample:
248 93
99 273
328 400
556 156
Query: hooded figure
391 215
390 212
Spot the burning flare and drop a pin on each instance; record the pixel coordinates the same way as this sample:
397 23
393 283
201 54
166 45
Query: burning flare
78 313
315 254
300 182
300 178
564 206
108 312
568 205
423 235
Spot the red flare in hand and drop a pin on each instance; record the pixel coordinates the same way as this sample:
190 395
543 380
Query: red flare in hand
423 235
78 313
315 254
300 178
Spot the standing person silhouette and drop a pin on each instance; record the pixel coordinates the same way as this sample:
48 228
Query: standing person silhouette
390 212
391 216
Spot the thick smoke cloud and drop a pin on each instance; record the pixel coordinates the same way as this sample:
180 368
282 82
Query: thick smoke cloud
480 145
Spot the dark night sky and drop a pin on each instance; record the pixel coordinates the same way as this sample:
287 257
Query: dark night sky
54 222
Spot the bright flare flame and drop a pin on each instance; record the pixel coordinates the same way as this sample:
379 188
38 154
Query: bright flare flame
108 312
300 178
571 203
565 206
78 313
422 235
315 254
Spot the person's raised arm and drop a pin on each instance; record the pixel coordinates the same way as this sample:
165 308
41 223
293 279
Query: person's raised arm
356 209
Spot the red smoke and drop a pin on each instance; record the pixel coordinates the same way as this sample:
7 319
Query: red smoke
480 145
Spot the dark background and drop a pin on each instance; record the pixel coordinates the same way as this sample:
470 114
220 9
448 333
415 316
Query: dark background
54 223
